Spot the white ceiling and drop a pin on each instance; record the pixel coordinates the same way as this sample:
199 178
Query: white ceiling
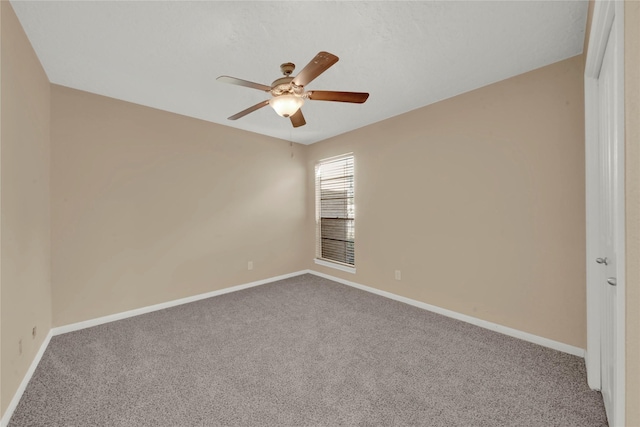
167 55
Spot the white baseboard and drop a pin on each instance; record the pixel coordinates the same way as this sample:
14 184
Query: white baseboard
4 422
143 310
545 342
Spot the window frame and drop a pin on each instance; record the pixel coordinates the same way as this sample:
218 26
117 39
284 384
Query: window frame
349 268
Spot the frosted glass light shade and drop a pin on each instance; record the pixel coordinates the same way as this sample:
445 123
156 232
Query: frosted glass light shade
286 105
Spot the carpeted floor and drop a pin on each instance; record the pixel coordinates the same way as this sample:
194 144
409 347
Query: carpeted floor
303 352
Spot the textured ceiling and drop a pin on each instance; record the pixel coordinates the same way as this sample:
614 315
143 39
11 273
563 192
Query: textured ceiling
407 55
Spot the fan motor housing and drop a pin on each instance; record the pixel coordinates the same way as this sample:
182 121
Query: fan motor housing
283 85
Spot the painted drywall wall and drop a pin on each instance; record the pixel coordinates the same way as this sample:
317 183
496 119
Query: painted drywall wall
25 220
632 188
149 206
479 201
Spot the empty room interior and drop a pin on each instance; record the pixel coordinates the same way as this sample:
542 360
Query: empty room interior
440 240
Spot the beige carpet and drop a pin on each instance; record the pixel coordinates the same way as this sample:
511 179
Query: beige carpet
303 352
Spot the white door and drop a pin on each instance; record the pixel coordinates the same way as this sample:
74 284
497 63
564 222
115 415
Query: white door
609 164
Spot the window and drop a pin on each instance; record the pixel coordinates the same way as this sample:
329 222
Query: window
335 210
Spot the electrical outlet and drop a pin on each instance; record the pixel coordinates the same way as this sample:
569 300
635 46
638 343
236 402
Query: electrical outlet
34 331
398 275
250 265
20 346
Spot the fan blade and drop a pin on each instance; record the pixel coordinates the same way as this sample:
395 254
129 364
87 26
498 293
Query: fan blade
245 83
317 66
329 95
249 110
297 119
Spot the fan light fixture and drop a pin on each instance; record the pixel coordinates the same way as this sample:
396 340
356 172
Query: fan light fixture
286 105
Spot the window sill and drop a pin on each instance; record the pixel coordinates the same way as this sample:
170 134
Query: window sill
340 267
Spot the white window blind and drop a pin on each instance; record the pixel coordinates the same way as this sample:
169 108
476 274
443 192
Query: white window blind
335 215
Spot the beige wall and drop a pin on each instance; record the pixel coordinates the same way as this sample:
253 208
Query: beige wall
149 206
632 137
479 201
25 222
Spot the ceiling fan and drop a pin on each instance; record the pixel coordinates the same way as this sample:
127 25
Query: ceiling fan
288 93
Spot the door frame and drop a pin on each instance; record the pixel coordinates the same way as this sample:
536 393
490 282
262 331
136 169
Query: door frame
604 14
